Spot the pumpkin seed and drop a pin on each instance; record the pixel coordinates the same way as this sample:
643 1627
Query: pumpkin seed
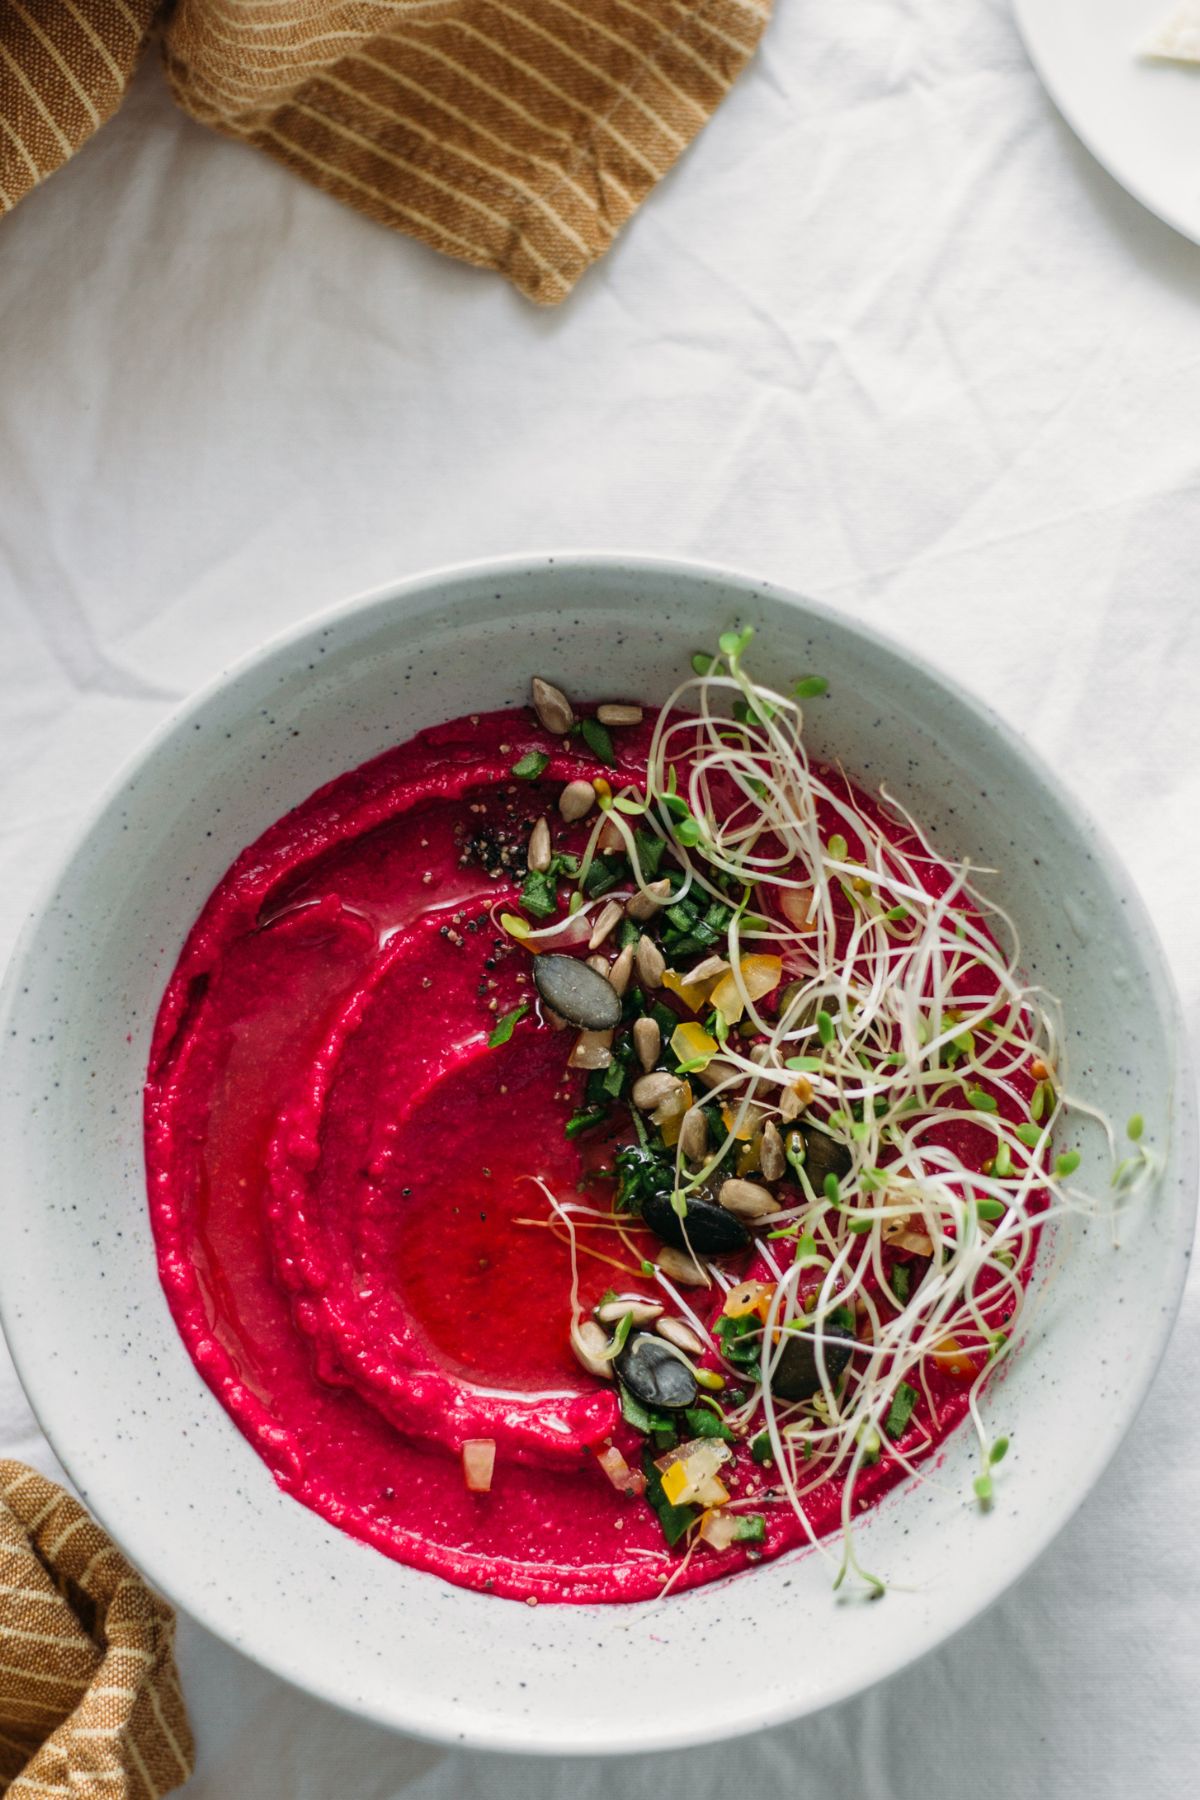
711 1230
576 993
656 1374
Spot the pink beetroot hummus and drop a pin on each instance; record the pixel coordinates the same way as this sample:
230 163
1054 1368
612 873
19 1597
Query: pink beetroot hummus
340 1166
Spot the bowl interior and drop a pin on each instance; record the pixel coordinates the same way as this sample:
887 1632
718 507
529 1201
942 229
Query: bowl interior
159 1460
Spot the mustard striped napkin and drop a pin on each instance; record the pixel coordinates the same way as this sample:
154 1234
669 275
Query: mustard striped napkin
90 1705
516 134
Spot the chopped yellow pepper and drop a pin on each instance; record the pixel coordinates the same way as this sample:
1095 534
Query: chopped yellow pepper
759 975
694 994
690 1042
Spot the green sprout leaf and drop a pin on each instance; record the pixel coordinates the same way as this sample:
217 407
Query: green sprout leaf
810 687
900 1411
504 1027
1135 1128
598 741
530 766
1067 1163
824 1027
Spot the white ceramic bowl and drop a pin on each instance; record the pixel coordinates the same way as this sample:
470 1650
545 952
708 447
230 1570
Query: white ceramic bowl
160 1462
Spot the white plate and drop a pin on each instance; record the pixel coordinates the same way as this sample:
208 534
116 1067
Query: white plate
160 1461
1138 116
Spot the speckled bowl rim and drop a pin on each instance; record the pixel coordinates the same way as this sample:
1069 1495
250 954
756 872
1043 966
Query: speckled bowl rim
956 1615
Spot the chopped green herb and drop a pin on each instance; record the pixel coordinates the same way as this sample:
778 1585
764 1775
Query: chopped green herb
530 766
606 872
901 1410
598 741
702 1423
673 1519
504 1027
900 1281
621 1334
650 851
760 1448
583 1121
810 687
539 893
750 1528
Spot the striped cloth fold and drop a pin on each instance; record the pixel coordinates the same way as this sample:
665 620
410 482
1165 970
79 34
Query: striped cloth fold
90 1705
516 134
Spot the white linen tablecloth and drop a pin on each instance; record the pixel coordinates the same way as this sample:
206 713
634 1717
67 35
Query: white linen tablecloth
889 335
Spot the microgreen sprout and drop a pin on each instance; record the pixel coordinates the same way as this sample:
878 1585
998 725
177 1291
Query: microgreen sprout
894 1026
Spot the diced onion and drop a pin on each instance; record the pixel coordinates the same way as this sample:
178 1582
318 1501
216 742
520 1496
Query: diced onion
479 1460
623 1478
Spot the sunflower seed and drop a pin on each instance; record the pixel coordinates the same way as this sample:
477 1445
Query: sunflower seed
622 969
681 1267
646 902
747 1200
552 707
717 1071
649 1091
772 1162
576 800
538 854
611 836
679 1333
609 916
647 1041
600 964
644 1312
651 964
589 1343
693 1134
712 965
613 714
591 1050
